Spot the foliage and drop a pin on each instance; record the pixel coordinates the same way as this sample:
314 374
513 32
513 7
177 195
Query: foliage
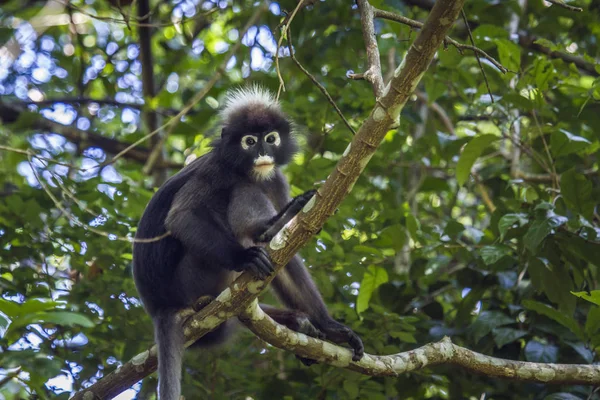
486 230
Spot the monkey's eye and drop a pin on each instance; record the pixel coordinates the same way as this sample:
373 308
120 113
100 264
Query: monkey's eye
248 141
273 138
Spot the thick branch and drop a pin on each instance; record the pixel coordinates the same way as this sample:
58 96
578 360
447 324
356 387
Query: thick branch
373 72
296 234
442 352
148 88
10 114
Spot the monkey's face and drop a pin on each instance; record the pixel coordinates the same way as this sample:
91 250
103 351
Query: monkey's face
257 142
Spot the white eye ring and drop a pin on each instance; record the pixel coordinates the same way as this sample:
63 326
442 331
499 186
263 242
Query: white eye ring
275 135
248 141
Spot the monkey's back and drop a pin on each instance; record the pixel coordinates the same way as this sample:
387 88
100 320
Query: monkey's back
155 262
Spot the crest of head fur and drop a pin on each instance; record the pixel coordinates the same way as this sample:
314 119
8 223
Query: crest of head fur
248 97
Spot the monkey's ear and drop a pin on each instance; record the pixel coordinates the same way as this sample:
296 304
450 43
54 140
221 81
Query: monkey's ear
222 133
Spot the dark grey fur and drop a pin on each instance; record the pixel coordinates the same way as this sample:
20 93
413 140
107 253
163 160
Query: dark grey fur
219 214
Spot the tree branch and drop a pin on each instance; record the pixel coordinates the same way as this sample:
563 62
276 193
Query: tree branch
149 91
564 5
418 25
10 114
528 42
316 82
373 73
298 231
442 352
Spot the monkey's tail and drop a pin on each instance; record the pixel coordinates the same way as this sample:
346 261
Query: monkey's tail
169 339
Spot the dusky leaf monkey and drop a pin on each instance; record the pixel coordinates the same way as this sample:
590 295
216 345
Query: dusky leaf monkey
219 209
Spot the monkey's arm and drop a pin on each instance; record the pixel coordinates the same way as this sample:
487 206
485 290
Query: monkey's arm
275 224
208 239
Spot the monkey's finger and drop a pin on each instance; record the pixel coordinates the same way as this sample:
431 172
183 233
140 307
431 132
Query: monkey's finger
265 265
255 270
357 345
262 267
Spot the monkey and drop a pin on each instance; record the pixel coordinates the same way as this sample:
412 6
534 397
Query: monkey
220 211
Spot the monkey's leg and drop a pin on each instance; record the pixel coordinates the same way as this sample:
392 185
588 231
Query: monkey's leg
296 321
297 291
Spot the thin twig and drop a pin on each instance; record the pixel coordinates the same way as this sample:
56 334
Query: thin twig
130 20
34 155
287 22
439 110
284 28
547 149
200 95
566 6
487 84
316 82
373 72
85 226
418 25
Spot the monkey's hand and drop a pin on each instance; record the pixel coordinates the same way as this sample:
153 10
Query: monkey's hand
339 333
257 261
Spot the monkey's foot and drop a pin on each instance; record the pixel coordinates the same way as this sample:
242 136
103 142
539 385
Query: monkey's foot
339 333
202 302
304 326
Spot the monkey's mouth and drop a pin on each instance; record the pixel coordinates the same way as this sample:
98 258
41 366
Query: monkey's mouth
264 163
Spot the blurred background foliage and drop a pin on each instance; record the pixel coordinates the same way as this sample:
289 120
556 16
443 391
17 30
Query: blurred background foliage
504 260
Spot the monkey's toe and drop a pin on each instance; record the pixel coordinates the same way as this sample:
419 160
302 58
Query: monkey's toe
202 302
339 333
307 361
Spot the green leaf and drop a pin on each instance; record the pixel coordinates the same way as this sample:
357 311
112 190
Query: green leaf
509 221
469 155
467 305
543 72
393 236
540 229
563 143
503 336
576 189
492 254
539 352
592 297
510 54
564 320
546 43
487 321
413 226
435 88
351 387
592 323
65 318
404 336
374 277
555 281
16 310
